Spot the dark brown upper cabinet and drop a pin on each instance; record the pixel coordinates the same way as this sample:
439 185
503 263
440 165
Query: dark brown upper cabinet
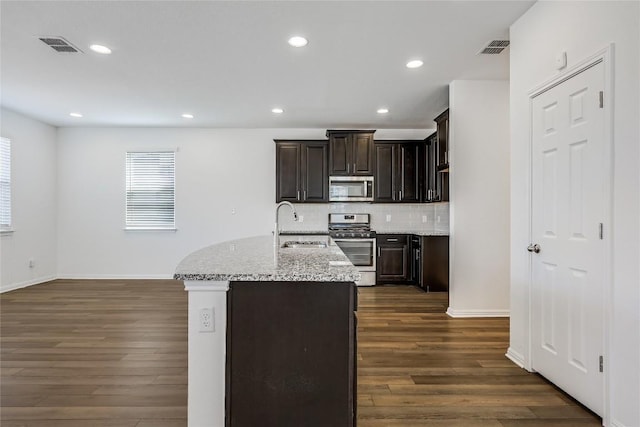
397 177
431 179
350 152
442 122
302 171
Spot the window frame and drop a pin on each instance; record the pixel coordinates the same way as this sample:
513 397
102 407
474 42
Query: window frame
129 223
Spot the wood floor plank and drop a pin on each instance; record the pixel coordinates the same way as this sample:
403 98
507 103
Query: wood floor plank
113 353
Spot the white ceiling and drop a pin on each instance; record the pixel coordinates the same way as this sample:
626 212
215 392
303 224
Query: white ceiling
228 63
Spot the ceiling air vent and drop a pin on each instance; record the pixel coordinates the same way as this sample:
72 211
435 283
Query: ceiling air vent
59 44
494 47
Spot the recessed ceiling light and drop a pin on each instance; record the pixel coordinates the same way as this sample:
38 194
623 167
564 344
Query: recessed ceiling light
277 110
187 116
416 63
298 41
383 110
75 114
100 49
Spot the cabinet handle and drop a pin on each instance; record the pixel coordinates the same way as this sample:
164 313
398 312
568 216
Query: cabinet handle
400 195
348 167
354 168
304 194
417 254
378 251
392 240
298 195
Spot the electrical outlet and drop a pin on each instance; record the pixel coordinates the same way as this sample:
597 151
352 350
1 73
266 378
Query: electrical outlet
207 321
32 263
300 218
424 218
233 211
388 218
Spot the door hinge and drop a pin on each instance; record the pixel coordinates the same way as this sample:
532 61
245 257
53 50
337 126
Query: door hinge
601 231
601 99
601 364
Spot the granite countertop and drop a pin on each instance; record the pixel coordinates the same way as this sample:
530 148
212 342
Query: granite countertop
416 232
305 233
255 259
378 231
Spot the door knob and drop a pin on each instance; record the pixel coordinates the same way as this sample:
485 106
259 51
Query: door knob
534 247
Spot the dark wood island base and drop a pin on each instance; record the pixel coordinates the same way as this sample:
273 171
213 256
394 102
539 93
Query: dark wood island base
291 354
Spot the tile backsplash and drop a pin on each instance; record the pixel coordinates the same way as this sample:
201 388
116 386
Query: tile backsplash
403 217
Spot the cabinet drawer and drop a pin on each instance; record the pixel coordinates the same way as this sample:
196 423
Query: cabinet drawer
392 239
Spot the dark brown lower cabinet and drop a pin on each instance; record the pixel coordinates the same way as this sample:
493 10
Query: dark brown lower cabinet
393 261
435 263
291 354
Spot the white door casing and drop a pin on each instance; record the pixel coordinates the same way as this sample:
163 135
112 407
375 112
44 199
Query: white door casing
569 198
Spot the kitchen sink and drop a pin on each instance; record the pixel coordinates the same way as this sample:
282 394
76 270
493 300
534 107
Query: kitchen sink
297 244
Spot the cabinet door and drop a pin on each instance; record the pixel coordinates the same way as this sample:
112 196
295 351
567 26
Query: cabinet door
340 154
362 146
393 264
385 173
425 160
443 180
408 182
435 263
443 138
288 172
315 181
432 178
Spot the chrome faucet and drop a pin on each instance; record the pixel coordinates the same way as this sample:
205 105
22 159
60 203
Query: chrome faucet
276 231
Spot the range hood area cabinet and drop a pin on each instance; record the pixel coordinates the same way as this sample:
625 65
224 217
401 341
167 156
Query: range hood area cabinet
397 177
302 171
350 152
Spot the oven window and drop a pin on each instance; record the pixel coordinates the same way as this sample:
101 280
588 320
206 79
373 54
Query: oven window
360 253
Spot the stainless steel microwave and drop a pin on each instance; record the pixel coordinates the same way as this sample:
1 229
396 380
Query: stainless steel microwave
350 188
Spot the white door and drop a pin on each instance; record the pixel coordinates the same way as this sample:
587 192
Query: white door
568 208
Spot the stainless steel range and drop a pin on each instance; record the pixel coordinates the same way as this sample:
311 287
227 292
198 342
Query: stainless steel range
352 233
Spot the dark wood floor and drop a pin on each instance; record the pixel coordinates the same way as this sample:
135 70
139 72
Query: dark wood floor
114 353
417 367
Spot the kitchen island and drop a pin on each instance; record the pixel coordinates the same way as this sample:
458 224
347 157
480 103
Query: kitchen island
271 333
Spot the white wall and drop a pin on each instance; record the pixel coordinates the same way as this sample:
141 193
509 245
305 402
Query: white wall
217 171
582 29
33 175
479 198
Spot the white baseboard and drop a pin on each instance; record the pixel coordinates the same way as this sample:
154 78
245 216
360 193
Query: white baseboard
477 313
616 423
26 283
515 357
114 276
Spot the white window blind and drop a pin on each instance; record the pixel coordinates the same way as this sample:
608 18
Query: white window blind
150 190
5 184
